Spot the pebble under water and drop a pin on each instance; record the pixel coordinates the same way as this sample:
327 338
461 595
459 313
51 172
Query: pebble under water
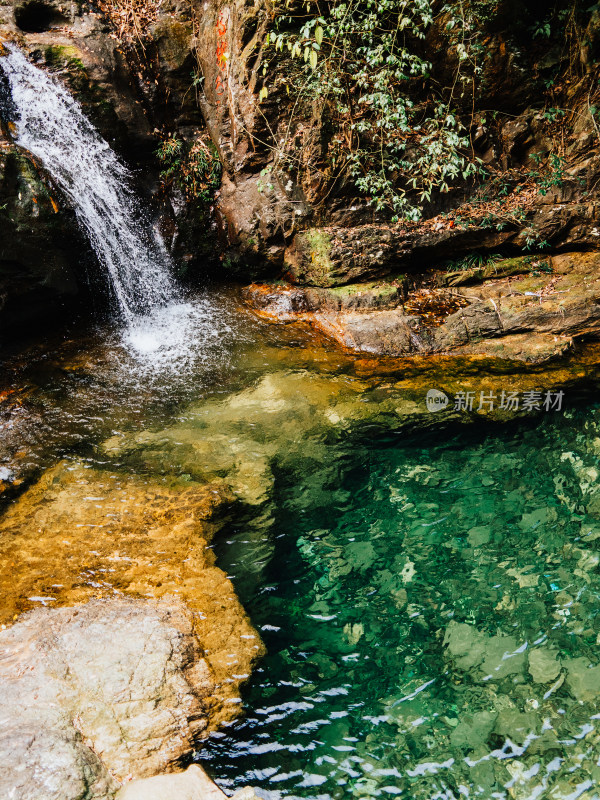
431 613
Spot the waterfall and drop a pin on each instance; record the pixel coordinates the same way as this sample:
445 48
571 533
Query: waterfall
51 125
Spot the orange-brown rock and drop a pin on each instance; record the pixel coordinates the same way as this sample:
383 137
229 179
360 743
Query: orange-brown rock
80 534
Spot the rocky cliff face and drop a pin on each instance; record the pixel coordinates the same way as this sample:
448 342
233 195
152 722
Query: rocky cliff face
194 74
38 246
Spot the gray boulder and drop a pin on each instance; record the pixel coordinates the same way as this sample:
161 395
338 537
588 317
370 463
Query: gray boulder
97 694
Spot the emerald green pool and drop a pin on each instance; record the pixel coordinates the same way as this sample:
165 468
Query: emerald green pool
431 613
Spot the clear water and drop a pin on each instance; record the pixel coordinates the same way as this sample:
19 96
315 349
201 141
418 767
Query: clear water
432 618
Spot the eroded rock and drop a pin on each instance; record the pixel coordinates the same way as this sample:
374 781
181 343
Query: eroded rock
335 256
528 309
99 692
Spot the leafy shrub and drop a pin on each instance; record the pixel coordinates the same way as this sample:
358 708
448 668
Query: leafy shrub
364 61
193 168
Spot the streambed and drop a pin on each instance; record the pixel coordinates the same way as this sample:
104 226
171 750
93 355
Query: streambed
427 589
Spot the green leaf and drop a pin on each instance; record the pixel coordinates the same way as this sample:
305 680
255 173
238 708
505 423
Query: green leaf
319 34
313 59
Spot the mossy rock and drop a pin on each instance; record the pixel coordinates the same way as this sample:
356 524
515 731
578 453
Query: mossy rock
353 296
497 269
63 56
327 258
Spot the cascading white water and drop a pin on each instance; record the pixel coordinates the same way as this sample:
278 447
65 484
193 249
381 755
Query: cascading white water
162 330
51 125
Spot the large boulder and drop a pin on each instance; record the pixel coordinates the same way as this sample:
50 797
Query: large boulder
137 645
98 693
107 533
126 675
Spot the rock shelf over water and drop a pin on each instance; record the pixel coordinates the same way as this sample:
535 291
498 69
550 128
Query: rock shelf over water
150 652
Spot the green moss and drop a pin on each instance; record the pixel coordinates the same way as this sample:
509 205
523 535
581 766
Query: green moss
376 288
319 246
67 59
531 283
64 56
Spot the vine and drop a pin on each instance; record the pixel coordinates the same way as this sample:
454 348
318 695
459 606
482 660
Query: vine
364 61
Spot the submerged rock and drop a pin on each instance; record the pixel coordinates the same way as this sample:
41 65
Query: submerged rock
238 440
544 665
487 658
583 679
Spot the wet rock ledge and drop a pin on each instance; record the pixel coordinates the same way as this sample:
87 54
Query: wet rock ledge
528 308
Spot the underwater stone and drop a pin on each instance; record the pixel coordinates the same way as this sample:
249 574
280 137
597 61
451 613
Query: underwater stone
543 665
473 729
540 516
583 680
480 534
465 645
503 656
360 555
516 725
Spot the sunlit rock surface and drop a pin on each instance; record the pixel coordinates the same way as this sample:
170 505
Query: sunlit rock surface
80 534
193 784
529 309
101 693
